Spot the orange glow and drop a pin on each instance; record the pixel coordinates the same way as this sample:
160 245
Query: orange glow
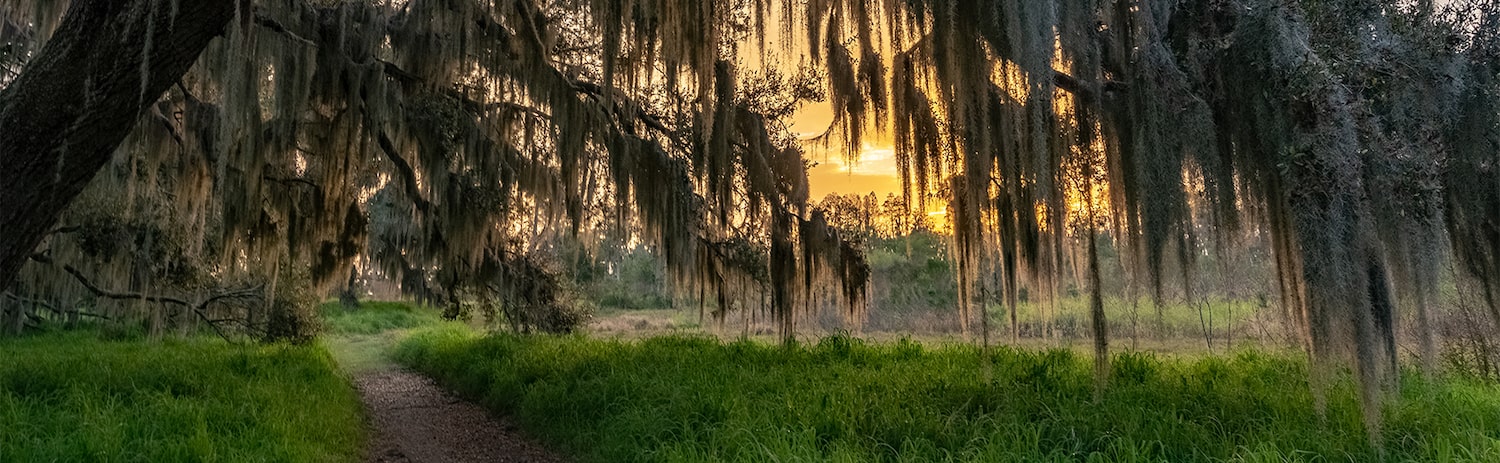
874 170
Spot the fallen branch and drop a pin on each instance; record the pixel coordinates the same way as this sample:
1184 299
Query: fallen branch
197 309
51 308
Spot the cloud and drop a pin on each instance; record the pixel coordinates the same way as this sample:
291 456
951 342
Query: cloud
874 170
832 177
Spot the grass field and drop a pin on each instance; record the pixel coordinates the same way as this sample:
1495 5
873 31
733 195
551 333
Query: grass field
1178 319
74 397
697 399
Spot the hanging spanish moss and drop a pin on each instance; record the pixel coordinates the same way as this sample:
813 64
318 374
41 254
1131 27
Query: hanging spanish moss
1151 118
430 140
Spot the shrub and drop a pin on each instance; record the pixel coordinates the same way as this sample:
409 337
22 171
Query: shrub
292 316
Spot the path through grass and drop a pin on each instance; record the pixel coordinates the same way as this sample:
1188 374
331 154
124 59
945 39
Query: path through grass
361 338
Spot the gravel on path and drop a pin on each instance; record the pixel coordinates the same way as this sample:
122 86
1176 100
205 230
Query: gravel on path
416 421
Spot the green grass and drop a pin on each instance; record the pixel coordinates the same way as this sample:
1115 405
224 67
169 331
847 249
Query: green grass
695 399
361 339
375 317
1179 320
74 397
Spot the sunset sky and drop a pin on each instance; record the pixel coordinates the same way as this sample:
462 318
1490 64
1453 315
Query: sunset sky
874 171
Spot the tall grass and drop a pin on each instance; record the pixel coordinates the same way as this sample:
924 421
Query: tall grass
696 399
74 397
373 317
1069 317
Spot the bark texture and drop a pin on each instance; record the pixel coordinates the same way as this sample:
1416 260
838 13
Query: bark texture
75 102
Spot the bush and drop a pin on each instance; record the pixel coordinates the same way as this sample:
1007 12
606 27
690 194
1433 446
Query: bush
292 315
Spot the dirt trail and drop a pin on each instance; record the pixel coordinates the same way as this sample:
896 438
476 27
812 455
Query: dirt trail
416 421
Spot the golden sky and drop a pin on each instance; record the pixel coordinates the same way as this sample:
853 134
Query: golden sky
874 171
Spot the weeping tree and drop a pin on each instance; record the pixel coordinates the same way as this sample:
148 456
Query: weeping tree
451 122
1358 152
68 103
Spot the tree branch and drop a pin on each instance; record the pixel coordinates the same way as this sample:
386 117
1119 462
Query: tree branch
77 99
104 293
197 309
1072 85
289 181
247 293
407 78
403 168
51 308
275 26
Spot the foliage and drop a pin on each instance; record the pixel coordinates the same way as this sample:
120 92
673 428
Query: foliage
149 257
72 397
293 315
445 141
532 296
621 278
1045 123
695 399
912 274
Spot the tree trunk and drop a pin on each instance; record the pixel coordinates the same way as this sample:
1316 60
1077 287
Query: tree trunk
15 318
1428 340
64 115
1100 323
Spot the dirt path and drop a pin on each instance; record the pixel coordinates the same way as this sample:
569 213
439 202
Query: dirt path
417 421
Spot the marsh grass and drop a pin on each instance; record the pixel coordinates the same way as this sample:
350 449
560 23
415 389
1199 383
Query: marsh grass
699 399
75 397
